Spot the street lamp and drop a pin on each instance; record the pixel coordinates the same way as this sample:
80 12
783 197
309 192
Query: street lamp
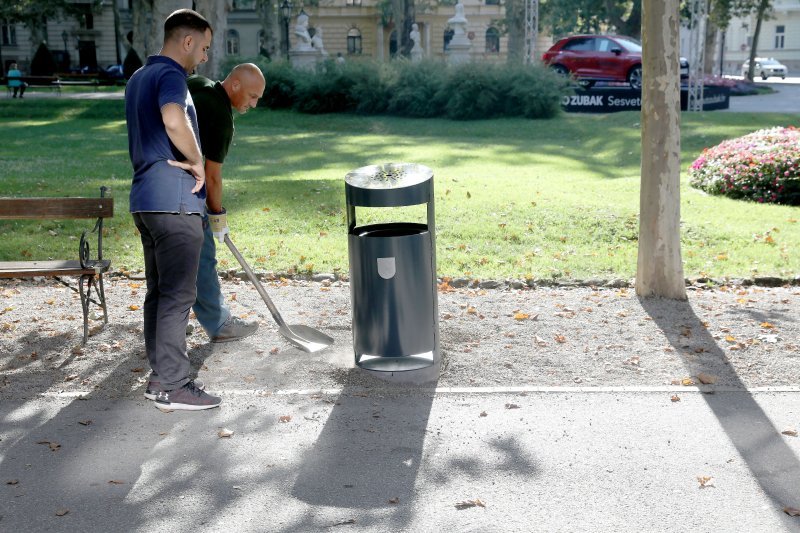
67 61
64 36
286 14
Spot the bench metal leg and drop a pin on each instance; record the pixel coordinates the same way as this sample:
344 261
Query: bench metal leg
85 303
92 281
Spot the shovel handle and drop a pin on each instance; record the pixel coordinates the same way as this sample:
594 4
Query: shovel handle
260 288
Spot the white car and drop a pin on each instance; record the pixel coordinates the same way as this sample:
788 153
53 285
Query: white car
765 67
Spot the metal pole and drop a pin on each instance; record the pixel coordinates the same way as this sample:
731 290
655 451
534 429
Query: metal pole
531 30
722 54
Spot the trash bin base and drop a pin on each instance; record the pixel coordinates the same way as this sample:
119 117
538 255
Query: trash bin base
395 364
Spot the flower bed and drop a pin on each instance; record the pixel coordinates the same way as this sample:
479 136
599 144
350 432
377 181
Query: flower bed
763 166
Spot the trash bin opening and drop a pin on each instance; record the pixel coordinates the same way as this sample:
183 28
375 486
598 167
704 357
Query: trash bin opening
391 230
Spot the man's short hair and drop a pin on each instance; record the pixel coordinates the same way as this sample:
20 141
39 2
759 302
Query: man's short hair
184 19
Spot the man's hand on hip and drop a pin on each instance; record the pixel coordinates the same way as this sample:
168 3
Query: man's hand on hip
197 170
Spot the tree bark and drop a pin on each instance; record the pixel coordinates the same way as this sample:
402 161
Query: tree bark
216 13
269 17
659 269
763 6
515 24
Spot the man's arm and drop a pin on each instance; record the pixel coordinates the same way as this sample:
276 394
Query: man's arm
213 186
181 134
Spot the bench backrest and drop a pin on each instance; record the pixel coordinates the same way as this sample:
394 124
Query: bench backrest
50 208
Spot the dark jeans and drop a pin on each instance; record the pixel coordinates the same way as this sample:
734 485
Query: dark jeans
171 244
21 89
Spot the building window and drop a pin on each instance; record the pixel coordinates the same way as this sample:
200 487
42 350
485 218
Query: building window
492 2
354 41
9 34
232 43
492 41
352 2
244 5
780 32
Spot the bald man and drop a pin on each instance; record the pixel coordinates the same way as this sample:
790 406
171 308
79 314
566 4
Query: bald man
215 102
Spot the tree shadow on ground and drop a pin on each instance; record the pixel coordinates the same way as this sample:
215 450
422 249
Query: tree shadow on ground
772 463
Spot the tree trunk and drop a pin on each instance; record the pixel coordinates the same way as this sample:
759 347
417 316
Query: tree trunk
762 8
269 19
659 269
515 22
120 42
409 18
216 12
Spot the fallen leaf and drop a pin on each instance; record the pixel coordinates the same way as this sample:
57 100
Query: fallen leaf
521 316
483 414
275 350
791 511
675 398
345 522
512 406
71 377
249 379
12 482
116 482
225 433
560 339
285 418
466 504
706 379
705 481
687 382
133 307
52 445
138 369
61 512
471 310
790 432
84 422
394 500
767 325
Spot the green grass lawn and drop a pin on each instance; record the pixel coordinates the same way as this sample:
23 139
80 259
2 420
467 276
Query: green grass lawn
549 199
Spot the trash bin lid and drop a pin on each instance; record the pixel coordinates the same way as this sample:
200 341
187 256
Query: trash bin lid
389 185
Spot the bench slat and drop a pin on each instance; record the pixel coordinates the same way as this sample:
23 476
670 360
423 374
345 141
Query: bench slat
26 269
39 208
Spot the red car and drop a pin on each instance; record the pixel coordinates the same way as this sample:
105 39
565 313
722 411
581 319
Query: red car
591 58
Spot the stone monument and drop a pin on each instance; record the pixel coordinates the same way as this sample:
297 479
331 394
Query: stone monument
459 46
416 50
316 42
303 55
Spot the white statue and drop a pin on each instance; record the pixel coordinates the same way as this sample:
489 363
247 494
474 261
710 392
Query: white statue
416 50
301 33
316 42
458 22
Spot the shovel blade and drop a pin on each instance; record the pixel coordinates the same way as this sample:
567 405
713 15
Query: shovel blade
306 338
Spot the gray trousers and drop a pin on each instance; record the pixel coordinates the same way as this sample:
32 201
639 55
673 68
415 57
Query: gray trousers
171 244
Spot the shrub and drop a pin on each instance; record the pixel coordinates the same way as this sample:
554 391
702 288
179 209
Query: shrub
43 63
472 93
370 86
416 88
281 82
326 90
532 92
763 166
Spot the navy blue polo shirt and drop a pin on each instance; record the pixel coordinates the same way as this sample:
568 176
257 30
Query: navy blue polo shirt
157 186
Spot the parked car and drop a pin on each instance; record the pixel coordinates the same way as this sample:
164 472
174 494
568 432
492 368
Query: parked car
765 67
114 71
593 58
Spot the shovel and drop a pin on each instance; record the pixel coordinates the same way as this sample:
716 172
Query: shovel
307 339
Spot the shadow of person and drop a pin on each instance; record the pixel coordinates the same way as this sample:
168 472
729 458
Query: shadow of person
369 452
772 463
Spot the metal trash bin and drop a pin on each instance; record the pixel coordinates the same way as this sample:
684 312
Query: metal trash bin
393 270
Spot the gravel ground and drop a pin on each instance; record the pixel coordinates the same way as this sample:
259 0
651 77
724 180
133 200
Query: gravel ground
731 336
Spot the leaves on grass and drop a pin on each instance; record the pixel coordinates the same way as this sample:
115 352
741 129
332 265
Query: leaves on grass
285 418
466 504
225 433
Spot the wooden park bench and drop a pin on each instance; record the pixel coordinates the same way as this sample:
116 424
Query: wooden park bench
41 82
88 271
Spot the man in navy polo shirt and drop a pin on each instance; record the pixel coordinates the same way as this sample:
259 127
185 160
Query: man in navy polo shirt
167 202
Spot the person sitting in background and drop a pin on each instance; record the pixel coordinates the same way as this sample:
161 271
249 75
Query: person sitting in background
15 81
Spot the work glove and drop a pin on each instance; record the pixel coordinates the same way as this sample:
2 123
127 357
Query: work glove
219 224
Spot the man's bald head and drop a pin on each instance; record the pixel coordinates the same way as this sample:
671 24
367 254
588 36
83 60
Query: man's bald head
244 85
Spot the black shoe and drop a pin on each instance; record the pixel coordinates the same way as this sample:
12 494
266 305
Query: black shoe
154 387
187 398
234 329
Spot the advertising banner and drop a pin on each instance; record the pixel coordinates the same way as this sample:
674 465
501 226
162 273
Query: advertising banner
611 99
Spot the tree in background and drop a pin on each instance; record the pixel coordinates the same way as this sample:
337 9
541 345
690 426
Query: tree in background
33 14
761 9
563 17
216 13
267 11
